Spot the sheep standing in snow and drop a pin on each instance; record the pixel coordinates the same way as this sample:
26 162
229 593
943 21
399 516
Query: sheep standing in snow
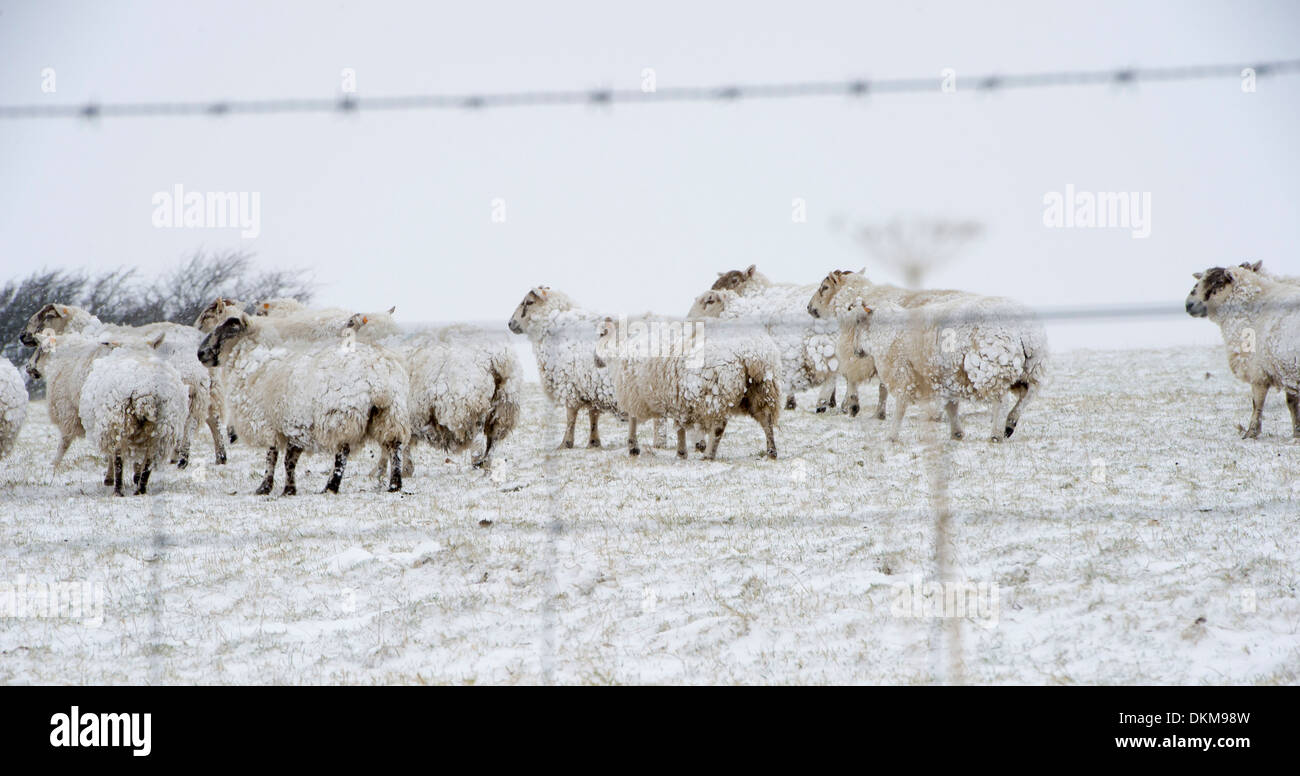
310 396
807 346
838 298
204 388
64 361
463 383
694 380
563 335
13 406
1260 321
965 348
207 320
135 409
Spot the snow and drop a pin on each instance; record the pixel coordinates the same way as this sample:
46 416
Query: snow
1125 508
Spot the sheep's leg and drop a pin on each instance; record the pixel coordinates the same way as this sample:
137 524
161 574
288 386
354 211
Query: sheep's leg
999 420
268 480
230 430
789 401
108 475
1293 404
142 481
291 454
880 407
135 474
660 433
340 463
593 439
900 408
826 399
484 461
570 420
632 447
766 422
395 481
954 424
183 451
714 438
64 443
851 407
1258 392
681 441
117 475
218 446
1024 393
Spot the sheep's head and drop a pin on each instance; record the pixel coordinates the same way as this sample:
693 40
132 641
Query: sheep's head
606 341
1213 286
527 309
52 316
217 344
710 304
45 343
820 304
735 279
215 313
281 306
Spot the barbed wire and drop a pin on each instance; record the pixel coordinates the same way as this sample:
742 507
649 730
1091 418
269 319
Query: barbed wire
854 88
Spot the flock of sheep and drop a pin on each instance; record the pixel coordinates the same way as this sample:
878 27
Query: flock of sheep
291 380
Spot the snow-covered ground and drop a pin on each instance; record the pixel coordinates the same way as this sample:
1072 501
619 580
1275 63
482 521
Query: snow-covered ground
1125 534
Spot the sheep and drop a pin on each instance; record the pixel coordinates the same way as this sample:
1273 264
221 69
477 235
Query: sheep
693 380
1258 268
310 396
206 321
204 387
562 334
135 408
462 384
295 319
966 347
838 296
807 346
13 406
65 362
1259 318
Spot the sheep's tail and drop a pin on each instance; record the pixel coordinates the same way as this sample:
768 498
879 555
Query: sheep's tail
143 409
763 392
504 410
1033 342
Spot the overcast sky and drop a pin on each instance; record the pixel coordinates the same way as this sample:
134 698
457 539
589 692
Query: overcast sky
636 208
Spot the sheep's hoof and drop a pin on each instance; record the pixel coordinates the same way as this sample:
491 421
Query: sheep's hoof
634 451
593 443
789 403
289 490
1010 430
700 446
1250 433
958 434
109 481
681 454
822 408
852 409
771 453
880 414
118 492
182 463
231 435
566 444
481 463
221 459
996 438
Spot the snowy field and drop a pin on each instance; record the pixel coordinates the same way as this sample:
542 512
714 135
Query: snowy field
1127 531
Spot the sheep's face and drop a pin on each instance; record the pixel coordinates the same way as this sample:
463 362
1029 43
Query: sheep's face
528 308
45 343
52 316
709 304
215 313
606 342
820 305
214 347
735 279
1212 287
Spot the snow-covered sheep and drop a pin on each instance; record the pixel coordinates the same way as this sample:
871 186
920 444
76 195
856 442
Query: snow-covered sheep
179 344
13 405
208 318
694 379
135 408
563 335
64 361
965 348
838 298
1260 321
463 383
807 345
1258 268
295 319
310 396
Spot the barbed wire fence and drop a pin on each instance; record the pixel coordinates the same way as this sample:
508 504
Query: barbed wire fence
948 654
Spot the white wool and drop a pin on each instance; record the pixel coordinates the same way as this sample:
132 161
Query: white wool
64 361
717 372
327 323
134 405
807 344
563 336
13 405
964 348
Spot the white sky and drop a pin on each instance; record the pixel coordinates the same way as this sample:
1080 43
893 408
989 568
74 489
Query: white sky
635 208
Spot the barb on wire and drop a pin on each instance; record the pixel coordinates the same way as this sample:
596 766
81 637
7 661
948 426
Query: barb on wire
856 87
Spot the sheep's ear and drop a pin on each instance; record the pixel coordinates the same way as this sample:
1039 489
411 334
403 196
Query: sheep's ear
63 312
158 340
1197 275
720 274
392 309
750 271
1254 267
